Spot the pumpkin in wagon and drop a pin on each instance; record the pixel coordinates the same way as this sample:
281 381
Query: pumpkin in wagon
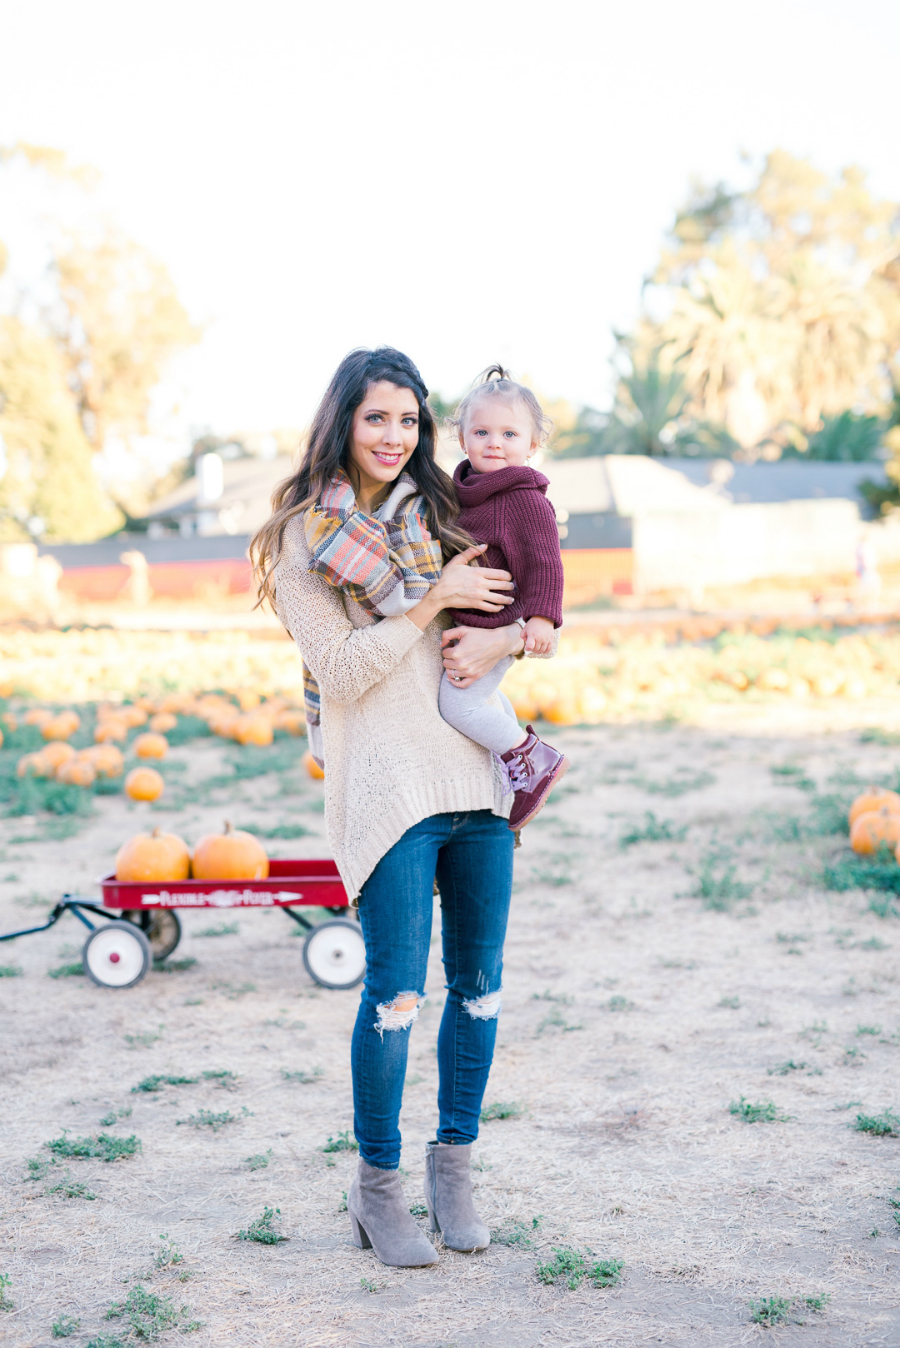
232 855
148 858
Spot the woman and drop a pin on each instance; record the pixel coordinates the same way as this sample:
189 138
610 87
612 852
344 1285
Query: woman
407 798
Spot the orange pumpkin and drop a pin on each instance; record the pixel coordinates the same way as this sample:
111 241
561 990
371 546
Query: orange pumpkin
294 722
151 746
182 703
774 681
110 728
873 798
38 716
9 721
163 721
148 858
76 772
232 855
253 729
106 759
62 726
33 765
874 830
56 753
144 784
247 699
312 767
133 715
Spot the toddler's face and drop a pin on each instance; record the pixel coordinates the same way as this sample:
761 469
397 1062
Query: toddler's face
497 434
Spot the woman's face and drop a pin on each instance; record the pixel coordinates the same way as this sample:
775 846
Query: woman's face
384 434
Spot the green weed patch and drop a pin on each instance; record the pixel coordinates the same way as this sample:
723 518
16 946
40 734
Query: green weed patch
762 1111
104 1147
262 1231
572 1267
885 1124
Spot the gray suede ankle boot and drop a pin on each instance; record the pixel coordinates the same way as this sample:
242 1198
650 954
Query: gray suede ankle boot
448 1194
380 1219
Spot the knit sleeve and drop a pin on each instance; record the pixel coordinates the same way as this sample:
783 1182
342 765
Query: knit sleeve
531 544
345 660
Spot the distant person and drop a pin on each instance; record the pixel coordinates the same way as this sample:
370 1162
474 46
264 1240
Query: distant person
407 798
868 577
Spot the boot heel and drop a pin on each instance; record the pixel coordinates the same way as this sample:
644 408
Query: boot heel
360 1239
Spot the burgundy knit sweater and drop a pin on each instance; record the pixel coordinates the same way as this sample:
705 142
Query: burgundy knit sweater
510 512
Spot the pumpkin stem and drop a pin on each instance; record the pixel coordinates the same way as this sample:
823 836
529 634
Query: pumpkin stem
228 828
155 833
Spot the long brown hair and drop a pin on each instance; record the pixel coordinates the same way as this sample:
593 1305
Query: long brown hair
328 448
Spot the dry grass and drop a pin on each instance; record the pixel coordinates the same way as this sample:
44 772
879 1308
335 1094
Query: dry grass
634 1015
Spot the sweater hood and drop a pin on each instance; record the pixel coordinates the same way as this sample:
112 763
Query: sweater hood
475 488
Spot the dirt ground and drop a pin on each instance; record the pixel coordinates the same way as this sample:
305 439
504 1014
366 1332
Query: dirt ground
634 1015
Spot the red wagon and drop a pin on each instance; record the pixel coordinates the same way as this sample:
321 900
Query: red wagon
118 953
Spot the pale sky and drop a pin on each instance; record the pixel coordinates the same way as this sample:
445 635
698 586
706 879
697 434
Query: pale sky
470 181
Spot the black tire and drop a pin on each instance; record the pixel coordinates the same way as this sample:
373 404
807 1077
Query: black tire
116 955
334 954
161 927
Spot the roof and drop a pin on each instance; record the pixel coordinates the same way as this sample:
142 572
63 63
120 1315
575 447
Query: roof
245 502
625 484
787 480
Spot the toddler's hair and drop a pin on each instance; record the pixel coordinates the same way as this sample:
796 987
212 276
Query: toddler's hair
495 382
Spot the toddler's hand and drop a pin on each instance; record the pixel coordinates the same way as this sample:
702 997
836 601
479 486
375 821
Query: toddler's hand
539 636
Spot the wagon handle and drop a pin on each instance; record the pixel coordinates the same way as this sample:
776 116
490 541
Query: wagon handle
68 903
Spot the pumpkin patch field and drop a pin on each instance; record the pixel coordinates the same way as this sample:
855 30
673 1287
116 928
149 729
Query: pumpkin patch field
691 1134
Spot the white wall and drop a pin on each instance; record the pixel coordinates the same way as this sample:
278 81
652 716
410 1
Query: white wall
740 543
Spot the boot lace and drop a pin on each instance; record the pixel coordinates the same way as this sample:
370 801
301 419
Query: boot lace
514 774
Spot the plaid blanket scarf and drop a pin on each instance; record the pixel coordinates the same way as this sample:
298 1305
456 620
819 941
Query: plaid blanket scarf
386 563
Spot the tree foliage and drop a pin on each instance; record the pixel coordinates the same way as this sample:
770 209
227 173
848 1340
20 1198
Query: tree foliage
85 367
122 322
779 306
49 485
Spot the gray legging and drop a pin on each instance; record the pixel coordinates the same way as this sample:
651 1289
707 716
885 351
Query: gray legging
482 712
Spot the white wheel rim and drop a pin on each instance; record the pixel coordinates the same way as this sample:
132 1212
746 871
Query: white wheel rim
115 957
336 954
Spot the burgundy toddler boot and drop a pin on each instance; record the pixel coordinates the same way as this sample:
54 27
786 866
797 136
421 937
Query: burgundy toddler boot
534 768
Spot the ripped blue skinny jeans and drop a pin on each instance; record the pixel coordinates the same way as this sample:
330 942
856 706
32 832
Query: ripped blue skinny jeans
471 855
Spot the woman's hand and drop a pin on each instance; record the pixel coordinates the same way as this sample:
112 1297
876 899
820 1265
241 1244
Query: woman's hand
471 652
464 585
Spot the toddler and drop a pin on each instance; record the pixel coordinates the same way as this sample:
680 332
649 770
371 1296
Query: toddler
501 425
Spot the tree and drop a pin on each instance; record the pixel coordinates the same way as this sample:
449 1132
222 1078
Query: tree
119 325
87 365
49 488
783 303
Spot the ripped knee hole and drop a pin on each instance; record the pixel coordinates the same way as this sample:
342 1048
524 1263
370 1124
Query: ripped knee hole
487 1007
398 1014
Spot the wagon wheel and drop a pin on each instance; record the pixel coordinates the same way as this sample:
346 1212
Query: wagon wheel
161 927
335 955
116 955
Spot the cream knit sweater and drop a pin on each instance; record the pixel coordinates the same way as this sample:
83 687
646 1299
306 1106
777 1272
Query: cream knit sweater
390 758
